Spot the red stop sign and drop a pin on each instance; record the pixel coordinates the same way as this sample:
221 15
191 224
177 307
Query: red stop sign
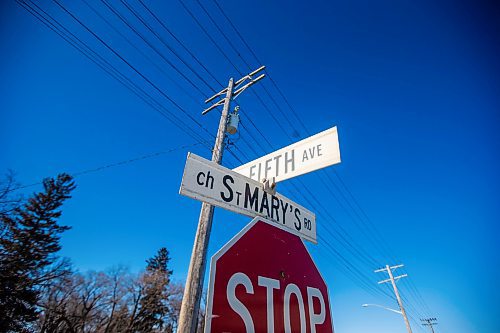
264 280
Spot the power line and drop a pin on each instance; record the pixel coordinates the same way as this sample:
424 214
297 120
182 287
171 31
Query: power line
141 19
113 165
221 31
256 128
143 54
133 67
145 40
230 43
348 268
82 47
258 60
370 223
210 37
212 40
135 159
130 65
377 244
139 50
255 56
161 22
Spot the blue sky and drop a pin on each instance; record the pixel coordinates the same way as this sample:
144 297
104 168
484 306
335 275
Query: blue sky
412 86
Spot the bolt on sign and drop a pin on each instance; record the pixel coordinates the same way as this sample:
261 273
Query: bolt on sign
313 153
264 280
207 181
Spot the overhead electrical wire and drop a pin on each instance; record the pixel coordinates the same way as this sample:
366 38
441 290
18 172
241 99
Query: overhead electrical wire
77 43
213 41
82 47
380 244
258 61
138 49
210 37
165 27
149 43
206 32
167 45
131 66
113 165
248 118
287 102
161 22
237 53
128 24
217 46
233 47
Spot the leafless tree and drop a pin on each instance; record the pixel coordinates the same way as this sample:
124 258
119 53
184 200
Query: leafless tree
175 293
105 302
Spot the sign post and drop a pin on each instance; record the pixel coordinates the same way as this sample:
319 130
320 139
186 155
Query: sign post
283 293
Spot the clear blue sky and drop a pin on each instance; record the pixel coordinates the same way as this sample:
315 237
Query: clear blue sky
413 87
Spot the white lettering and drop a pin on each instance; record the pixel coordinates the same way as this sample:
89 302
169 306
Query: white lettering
315 318
270 284
289 290
235 303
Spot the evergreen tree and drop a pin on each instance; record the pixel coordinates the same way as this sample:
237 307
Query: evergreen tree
154 306
159 263
28 250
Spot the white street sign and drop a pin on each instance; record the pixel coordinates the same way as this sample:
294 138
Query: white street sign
209 182
313 153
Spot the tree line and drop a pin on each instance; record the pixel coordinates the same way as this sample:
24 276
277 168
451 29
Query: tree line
41 292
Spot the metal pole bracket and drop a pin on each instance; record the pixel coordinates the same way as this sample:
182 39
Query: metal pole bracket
269 187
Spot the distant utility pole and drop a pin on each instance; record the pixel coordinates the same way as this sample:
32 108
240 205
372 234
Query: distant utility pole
429 322
188 318
393 279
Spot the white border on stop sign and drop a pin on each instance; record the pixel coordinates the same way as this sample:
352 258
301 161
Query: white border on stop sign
229 244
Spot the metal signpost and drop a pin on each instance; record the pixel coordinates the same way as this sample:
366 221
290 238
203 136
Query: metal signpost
313 153
209 182
283 293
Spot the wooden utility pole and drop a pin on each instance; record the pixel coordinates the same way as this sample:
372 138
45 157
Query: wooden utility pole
188 318
393 279
430 322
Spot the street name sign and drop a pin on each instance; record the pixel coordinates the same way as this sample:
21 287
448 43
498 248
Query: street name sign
212 183
313 153
264 280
